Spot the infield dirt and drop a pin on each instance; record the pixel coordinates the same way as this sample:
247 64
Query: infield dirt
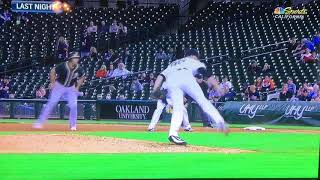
6 127
25 142
72 143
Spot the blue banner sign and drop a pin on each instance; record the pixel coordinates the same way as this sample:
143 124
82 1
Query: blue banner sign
36 6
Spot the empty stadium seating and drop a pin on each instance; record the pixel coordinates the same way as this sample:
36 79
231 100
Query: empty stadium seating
37 38
223 30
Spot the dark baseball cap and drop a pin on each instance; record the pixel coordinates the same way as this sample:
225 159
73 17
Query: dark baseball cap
192 52
73 55
199 76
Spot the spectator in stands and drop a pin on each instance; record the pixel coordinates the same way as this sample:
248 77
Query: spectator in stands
107 56
252 93
317 99
314 92
110 71
143 78
108 96
99 96
308 44
215 93
41 92
171 55
87 44
268 84
92 28
308 57
316 41
62 49
114 31
102 39
302 95
292 45
123 31
93 53
285 94
151 79
253 68
121 71
5 88
292 88
305 86
266 70
258 83
136 86
303 46
102 72
229 94
226 84
114 28
110 57
126 56
160 55
103 29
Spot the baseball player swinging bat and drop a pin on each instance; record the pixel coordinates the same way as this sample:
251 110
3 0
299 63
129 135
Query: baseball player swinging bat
65 80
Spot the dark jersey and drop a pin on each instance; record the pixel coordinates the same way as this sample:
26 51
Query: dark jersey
66 76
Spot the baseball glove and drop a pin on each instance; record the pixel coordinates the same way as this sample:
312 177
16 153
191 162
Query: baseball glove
158 94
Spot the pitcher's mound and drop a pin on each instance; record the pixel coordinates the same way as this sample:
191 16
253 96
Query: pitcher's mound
71 143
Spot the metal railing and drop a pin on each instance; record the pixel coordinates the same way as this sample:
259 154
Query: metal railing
261 47
260 54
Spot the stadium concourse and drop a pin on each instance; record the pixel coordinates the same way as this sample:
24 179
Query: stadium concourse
247 46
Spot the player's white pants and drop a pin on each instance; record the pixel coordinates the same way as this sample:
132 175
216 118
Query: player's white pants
184 82
157 113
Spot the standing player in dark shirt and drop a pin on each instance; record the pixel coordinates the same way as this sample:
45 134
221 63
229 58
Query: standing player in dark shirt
66 79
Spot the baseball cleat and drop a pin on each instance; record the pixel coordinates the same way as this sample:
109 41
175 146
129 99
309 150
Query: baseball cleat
37 126
177 140
151 130
188 129
223 127
73 128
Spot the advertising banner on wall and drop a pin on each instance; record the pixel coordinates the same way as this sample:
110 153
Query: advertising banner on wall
129 110
272 112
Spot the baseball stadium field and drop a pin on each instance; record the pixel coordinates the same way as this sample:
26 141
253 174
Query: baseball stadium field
113 149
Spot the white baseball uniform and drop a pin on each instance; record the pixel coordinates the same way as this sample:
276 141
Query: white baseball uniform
157 113
180 80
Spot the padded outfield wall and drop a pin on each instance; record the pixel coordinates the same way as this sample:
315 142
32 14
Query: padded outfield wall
246 112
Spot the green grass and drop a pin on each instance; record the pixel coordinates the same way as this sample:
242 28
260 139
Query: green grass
278 155
157 165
